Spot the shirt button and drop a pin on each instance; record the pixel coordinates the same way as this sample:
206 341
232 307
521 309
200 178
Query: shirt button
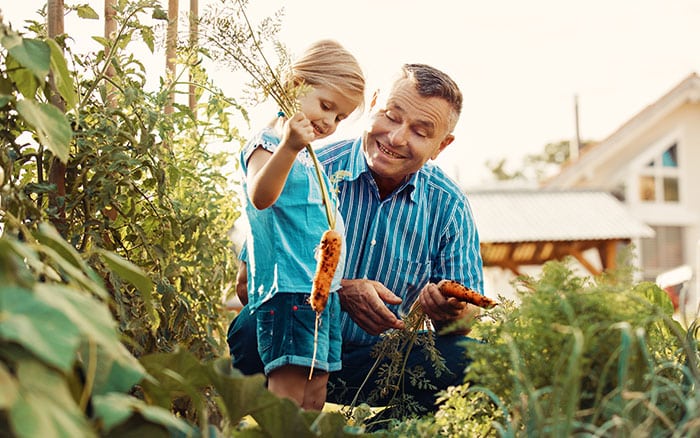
373 242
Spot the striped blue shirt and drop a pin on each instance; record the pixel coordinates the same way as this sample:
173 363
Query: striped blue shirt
423 232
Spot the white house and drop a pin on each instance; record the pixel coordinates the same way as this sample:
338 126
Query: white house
652 165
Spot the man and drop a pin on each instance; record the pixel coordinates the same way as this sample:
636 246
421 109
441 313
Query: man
407 225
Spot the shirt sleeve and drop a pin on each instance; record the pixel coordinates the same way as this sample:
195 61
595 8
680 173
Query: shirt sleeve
460 254
265 139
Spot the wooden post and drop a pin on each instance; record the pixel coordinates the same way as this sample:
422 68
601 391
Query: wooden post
57 170
110 34
194 42
608 254
171 51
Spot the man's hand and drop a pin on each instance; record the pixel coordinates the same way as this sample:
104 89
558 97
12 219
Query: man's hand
445 311
365 301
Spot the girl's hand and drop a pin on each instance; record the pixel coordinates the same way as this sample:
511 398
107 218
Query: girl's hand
298 132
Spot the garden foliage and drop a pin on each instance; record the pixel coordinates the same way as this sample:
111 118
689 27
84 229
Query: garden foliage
111 318
579 355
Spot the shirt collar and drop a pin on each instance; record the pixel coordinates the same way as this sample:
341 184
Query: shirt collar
358 166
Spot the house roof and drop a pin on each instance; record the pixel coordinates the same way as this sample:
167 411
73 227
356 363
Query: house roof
688 90
552 215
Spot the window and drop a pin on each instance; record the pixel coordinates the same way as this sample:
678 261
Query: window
662 252
658 180
647 188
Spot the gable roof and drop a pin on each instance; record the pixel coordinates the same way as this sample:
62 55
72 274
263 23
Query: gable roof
552 215
688 90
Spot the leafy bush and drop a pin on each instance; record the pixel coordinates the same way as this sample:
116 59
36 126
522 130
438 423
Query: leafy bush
133 193
581 354
138 182
61 355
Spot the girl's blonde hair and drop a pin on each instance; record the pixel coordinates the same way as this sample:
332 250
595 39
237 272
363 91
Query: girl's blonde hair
328 64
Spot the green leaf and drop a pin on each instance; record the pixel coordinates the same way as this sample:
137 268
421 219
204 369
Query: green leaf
5 86
181 372
241 395
328 423
33 54
4 100
62 77
117 370
51 126
283 418
154 414
24 80
131 273
19 257
9 388
37 327
112 409
47 235
102 40
148 38
91 317
657 296
45 407
159 14
174 373
85 11
70 271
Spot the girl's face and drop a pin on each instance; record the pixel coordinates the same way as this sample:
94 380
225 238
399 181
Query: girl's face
325 108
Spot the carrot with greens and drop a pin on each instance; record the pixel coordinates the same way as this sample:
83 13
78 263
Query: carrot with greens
451 288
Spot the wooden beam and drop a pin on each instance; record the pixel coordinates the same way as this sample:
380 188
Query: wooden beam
608 253
578 255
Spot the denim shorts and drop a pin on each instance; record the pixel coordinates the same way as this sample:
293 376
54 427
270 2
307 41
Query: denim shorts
285 333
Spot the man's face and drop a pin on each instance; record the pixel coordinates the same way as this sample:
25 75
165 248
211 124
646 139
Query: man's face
405 132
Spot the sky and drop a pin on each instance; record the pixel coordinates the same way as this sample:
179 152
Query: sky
520 64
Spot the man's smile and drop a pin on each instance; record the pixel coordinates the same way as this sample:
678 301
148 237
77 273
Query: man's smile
386 151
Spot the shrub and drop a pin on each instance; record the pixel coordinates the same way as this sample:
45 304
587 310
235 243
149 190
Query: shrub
581 354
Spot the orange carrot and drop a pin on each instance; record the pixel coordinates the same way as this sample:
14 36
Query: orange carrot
331 243
451 288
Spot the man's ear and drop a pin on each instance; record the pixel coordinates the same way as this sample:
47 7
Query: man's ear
443 144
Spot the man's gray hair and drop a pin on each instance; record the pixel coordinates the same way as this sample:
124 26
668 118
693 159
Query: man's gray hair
431 82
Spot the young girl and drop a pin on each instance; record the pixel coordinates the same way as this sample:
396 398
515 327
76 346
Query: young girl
287 219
